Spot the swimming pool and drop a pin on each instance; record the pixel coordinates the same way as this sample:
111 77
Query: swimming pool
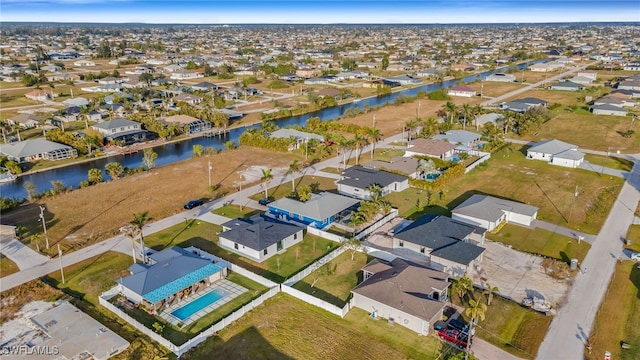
432 176
198 304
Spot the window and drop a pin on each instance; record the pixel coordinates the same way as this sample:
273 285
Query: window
235 246
295 236
422 250
265 252
401 243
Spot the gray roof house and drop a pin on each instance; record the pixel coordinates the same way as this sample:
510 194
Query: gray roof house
459 137
501 77
405 165
556 152
522 105
488 118
36 149
566 85
410 295
607 109
168 273
489 212
356 180
450 246
26 121
320 211
123 130
258 237
405 79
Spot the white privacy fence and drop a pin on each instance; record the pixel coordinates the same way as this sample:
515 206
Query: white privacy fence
316 302
315 266
375 226
484 156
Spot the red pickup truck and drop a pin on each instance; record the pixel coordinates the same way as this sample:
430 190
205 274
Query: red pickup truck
455 337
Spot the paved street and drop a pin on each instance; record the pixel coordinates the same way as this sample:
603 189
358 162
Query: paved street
572 325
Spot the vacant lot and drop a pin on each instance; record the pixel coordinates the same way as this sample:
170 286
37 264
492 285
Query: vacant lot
494 89
7 267
287 328
619 316
284 189
236 211
94 213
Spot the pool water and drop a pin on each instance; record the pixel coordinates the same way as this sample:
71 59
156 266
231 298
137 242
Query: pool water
432 176
198 304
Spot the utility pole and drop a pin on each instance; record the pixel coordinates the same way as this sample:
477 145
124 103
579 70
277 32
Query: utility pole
471 323
306 148
61 268
575 195
44 225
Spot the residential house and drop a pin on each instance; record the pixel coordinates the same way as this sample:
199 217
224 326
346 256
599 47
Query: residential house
488 118
522 105
84 63
27 121
488 212
427 147
546 67
448 245
501 77
466 139
607 109
289 77
404 80
461 90
330 92
111 109
405 165
632 66
184 74
188 98
205 86
633 85
37 149
317 81
299 136
306 73
583 80
380 83
588 74
566 85
258 238
320 211
167 275
357 180
77 101
556 152
63 76
126 131
39 95
403 293
195 125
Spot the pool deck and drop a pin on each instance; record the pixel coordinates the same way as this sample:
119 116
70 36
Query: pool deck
233 290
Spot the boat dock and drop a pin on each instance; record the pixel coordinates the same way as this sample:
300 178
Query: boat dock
219 132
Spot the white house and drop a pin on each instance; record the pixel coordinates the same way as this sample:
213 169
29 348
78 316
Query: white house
501 77
489 212
427 147
258 238
84 63
556 152
356 180
461 90
607 109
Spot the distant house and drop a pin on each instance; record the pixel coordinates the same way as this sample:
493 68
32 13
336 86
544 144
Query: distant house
488 212
405 165
317 81
566 85
488 118
188 98
258 238
583 80
195 125
183 74
84 63
289 77
356 180
37 149
299 136
449 245
500 77
39 95
27 121
205 86
630 85
546 67
465 138
127 131
556 152
407 294
77 101
169 273
330 92
615 100
632 66
607 109
588 74
320 211
405 80
522 105
427 147
461 90
306 73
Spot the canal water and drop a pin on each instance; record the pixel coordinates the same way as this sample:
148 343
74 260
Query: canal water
73 174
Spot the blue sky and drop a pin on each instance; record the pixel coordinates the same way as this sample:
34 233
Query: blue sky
322 12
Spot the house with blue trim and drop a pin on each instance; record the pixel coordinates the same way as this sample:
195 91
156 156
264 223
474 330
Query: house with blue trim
170 273
320 211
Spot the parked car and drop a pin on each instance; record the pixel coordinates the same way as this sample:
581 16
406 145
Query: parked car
193 203
635 256
264 201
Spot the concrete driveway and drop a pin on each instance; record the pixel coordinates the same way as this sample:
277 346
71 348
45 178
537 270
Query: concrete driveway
19 253
518 275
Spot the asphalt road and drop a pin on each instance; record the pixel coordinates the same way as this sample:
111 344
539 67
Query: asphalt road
571 327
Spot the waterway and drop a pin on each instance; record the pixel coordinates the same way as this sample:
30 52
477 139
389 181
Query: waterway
169 153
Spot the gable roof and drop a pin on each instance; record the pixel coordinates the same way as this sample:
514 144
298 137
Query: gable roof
360 177
407 165
258 232
28 148
458 136
486 118
608 107
319 207
492 208
530 101
406 287
180 119
174 270
25 118
567 84
552 146
430 147
114 124
462 88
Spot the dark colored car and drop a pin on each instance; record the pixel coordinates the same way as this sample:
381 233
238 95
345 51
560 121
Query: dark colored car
264 201
193 203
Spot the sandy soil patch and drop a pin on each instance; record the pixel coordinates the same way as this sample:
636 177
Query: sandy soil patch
20 330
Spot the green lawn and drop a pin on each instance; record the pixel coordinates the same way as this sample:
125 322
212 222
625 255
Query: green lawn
287 328
284 189
610 162
510 326
634 234
619 316
542 242
233 211
385 154
7 267
406 203
334 283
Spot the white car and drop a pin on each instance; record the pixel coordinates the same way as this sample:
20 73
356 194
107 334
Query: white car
635 256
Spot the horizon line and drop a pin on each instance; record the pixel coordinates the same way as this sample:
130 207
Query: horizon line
636 22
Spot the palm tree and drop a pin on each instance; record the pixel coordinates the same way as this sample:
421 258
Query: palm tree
476 311
374 192
139 221
17 127
359 142
411 125
114 169
266 176
467 112
489 292
94 176
429 128
451 111
294 168
345 145
374 136
462 285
